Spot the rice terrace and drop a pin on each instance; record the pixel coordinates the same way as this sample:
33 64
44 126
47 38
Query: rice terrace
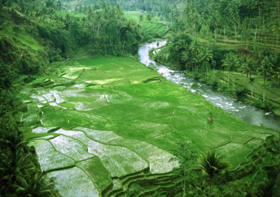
139 98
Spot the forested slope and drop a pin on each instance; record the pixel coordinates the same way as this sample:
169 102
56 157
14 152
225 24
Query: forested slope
247 21
165 9
240 38
43 34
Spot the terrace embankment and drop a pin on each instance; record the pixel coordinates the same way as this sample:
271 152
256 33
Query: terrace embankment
101 124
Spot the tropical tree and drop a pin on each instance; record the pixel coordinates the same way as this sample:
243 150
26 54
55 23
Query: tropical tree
186 155
20 173
276 76
276 28
215 21
211 166
34 183
193 17
195 50
109 31
230 63
248 66
178 50
233 15
265 68
205 56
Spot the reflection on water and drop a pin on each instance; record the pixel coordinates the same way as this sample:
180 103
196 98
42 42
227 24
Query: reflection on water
248 113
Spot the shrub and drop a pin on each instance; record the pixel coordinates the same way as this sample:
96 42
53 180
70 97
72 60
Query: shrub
240 92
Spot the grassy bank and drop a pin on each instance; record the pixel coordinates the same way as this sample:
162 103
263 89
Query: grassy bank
238 85
223 68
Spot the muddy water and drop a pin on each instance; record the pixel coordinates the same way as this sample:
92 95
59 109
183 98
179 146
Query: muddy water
248 113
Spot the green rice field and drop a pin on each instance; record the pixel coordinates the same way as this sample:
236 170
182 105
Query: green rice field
102 124
154 28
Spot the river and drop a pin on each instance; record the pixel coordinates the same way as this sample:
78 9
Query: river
248 113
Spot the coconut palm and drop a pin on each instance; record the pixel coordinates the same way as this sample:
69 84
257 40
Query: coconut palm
212 165
195 50
185 155
265 67
247 67
34 183
205 56
20 173
276 76
230 63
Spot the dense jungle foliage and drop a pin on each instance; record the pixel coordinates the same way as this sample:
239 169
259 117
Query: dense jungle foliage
249 30
234 37
166 9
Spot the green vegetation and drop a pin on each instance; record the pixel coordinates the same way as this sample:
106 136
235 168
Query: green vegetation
231 21
234 47
46 34
33 34
231 36
150 27
96 108
164 9
77 119
238 85
253 79
20 171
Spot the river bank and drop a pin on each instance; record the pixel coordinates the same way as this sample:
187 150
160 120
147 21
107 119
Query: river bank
238 86
246 112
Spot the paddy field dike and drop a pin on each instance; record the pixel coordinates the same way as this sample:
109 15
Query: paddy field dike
103 124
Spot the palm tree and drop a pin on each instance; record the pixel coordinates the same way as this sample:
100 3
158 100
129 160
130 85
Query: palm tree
193 17
20 173
204 57
195 49
276 76
265 67
34 183
230 63
233 14
185 155
185 58
215 21
212 165
247 67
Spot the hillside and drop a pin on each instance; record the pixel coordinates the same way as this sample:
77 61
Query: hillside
240 38
21 48
151 28
32 35
87 112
